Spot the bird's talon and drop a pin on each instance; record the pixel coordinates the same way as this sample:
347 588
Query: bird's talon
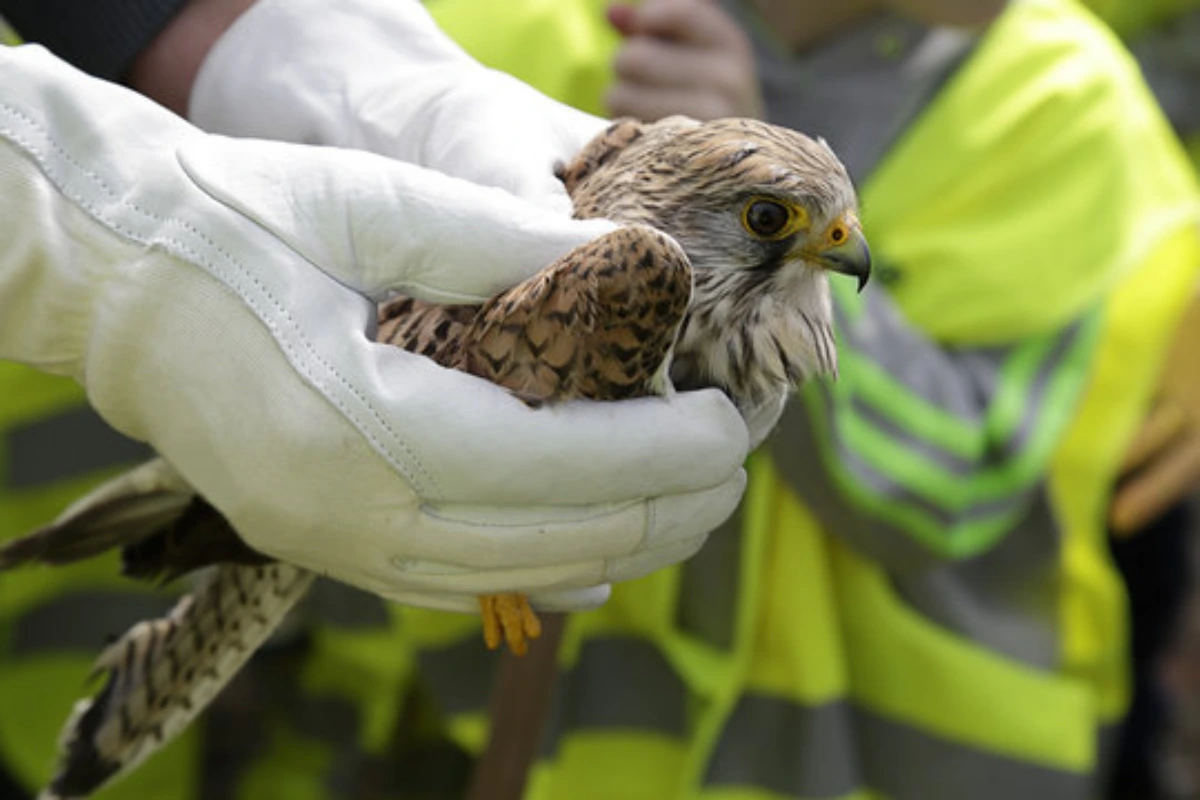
509 618
491 622
531 623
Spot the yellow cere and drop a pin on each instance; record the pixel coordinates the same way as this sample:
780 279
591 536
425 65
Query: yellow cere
838 231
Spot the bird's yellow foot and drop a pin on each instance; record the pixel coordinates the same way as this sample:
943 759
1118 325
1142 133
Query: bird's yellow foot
510 618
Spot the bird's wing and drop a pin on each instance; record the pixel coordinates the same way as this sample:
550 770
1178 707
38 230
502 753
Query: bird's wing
599 323
129 508
427 329
164 529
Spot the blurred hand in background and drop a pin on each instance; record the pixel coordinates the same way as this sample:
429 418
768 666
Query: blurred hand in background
682 57
1163 463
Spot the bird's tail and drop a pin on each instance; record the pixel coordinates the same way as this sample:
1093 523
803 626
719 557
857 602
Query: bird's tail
162 527
124 510
163 672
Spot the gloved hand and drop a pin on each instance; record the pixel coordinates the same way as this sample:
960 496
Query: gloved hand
380 75
174 274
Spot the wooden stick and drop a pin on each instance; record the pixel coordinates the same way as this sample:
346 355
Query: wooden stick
519 707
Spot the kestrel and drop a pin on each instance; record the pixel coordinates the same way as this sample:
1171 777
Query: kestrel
717 278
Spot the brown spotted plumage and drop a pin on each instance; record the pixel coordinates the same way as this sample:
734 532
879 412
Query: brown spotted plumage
715 279
598 323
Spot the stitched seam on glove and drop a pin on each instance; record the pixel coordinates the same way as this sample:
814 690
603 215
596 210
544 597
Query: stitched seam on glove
610 510
192 256
651 521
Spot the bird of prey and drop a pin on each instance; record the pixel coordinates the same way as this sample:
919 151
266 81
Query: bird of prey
716 278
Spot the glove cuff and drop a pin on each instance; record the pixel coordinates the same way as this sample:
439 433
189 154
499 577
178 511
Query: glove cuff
379 75
297 70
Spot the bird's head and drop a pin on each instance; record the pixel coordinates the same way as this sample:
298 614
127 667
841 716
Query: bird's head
764 213
737 194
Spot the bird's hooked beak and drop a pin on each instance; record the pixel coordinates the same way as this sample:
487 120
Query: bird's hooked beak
844 249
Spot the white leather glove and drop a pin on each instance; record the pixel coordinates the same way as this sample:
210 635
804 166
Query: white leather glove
174 274
761 419
380 75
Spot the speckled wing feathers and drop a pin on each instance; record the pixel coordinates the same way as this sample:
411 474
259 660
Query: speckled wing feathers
598 323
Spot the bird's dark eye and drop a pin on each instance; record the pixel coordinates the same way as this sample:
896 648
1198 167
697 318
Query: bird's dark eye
770 219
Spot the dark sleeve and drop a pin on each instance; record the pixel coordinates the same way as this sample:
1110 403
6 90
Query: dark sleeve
101 37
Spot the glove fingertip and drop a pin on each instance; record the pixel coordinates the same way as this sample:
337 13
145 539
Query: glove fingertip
584 599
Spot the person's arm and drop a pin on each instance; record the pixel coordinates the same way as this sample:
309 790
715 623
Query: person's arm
682 57
154 46
175 275
165 69
101 37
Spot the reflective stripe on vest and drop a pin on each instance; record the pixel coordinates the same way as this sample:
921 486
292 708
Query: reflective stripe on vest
1031 397
82 621
708 585
1003 597
796 750
617 683
342 606
459 675
835 749
987 599
65 445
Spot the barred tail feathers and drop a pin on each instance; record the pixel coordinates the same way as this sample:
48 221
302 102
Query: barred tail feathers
162 673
